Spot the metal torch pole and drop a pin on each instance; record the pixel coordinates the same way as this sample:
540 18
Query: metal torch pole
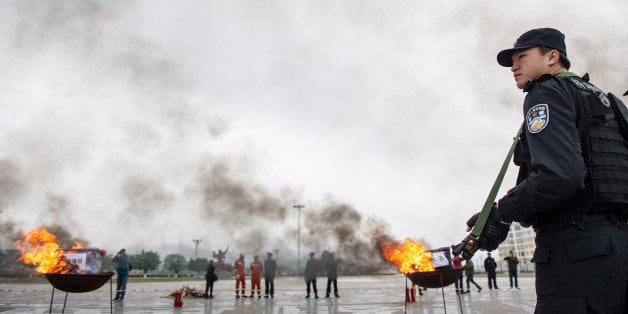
298 207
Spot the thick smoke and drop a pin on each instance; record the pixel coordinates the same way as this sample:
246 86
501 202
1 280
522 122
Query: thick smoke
9 229
65 238
11 181
128 136
341 229
145 196
257 220
226 196
115 132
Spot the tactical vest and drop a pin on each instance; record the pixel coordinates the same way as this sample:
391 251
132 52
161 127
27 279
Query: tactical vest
604 136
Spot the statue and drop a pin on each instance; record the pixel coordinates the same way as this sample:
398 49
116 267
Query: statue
220 259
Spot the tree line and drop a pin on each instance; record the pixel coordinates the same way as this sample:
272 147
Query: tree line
142 261
147 261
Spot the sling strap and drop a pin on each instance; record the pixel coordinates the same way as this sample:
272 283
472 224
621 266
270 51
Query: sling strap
488 204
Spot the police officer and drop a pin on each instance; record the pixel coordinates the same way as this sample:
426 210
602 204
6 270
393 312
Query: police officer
572 183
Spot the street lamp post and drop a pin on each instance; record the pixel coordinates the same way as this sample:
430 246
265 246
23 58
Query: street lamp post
299 237
196 242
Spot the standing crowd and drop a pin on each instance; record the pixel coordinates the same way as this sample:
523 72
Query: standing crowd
329 265
269 269
490 268
313 267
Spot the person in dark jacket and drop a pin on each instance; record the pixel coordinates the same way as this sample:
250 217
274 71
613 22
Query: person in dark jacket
571 186
210 278
470 271
270 267
490 266
513 262
123 266
311 268
331 268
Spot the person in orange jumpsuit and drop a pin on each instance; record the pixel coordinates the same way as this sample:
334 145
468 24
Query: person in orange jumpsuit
256 276
238 270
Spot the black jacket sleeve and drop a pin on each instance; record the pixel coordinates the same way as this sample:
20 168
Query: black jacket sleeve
556 166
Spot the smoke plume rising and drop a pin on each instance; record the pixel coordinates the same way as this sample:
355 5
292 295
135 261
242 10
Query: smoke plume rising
146 124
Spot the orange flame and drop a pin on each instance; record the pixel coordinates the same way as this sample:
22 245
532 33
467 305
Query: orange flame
40 248
410 257
79 245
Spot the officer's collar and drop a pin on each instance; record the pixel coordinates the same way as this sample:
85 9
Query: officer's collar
545 77
535 81
567 74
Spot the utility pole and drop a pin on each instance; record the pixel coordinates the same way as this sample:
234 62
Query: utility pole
196 242
299 207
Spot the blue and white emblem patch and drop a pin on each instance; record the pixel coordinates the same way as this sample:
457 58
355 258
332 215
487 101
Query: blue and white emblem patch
537 118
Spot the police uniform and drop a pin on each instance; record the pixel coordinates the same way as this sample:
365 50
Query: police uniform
571 188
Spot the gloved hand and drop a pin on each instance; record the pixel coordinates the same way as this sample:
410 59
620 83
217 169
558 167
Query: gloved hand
467 247
495 230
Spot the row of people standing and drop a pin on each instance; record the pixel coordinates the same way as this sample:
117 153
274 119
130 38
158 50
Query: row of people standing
311 270
269 267
490 266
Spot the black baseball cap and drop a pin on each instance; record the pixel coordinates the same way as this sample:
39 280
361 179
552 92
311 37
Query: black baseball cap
538 37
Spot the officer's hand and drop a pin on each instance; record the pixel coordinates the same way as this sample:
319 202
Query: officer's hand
495 230
471 221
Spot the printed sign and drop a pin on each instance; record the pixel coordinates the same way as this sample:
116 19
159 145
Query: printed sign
439 259
78 259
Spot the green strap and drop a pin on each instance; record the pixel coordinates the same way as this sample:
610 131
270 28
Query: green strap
486 210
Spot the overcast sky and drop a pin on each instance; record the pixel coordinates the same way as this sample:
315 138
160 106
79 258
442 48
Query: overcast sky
148 124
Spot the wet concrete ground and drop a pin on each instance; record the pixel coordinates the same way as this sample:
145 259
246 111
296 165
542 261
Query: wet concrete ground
367 294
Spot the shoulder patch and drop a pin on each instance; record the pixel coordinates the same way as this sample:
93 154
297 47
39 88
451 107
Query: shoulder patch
537 118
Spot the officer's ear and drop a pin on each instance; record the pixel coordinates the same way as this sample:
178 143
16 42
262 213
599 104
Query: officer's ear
552 57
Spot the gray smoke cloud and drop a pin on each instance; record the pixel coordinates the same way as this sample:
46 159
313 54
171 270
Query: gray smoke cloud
341 229
145 125
125 130
11 184
64 236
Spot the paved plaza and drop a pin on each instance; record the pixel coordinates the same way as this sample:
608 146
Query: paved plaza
365 294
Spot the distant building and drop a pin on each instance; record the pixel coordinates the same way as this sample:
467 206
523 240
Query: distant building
521 241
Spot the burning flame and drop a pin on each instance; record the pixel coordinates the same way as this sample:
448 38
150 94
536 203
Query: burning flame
79 245
410 257
40 248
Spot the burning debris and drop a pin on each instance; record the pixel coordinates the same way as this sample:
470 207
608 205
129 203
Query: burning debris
76 271
41 248
426 268
409 256
190 292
